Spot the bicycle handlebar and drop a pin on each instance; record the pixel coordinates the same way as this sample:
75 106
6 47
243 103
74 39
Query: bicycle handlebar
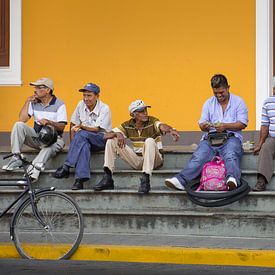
8 156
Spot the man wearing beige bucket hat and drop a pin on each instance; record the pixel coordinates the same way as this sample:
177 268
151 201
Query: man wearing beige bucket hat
145 133
47 111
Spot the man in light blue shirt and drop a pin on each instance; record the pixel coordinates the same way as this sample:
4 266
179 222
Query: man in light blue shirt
222 113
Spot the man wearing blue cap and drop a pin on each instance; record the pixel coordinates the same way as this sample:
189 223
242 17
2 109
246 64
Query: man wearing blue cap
90 120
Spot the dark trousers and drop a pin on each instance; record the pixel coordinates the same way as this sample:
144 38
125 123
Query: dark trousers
81 147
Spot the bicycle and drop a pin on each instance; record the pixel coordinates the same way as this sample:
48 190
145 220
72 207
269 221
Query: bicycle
46 224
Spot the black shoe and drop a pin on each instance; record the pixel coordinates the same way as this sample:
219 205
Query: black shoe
78 184
144 184
106 183
61 172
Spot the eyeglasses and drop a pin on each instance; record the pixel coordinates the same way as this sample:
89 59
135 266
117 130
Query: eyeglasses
40 87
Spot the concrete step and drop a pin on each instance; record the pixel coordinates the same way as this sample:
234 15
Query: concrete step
172 160
119 200
123 178
168 213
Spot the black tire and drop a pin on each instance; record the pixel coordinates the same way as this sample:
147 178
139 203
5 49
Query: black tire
216 199
64 218
192 186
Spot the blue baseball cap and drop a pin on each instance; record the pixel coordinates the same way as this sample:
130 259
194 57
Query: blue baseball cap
90 87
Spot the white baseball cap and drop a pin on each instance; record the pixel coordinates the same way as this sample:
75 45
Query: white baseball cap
137 105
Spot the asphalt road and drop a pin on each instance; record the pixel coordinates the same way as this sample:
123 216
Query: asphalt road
15 267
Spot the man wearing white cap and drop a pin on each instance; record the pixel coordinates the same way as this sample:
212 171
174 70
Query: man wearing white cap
46 109
145 133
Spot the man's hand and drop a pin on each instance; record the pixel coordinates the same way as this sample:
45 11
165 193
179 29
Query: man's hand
205 126
257 149
220 127
109 135
120 138
44 121
174 133
76 128
32 98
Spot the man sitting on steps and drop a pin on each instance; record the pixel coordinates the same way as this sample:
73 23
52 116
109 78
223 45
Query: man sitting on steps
90 120
223 117
46 109
145 133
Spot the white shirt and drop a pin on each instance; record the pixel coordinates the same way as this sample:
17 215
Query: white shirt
100 116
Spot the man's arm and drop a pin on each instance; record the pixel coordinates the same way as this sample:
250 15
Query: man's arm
59 126
263 135
168 129
24 113
121 140
235 126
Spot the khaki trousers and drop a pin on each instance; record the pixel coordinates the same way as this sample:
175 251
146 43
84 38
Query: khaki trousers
266 157
150 159
24 134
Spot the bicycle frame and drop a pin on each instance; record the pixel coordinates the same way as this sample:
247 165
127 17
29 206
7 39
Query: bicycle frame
29 190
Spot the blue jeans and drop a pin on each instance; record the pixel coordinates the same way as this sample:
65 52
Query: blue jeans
83 143
231 152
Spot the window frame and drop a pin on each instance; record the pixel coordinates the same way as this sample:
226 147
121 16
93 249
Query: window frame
11 75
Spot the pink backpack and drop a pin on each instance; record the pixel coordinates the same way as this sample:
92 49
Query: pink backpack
213 176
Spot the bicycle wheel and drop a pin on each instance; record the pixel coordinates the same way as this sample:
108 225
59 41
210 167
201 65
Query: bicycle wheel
65 227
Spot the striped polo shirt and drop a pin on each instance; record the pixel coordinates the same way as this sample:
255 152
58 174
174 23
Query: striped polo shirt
268 115
138 137
54 111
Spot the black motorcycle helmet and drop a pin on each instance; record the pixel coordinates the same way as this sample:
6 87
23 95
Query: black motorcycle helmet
47 135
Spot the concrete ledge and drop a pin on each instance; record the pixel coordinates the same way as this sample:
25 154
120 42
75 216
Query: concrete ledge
164 254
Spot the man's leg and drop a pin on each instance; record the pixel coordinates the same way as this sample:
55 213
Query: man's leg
193 168
265 164
21 134
232 152
45 154
152 159
91 142
111 151
151 155
126 153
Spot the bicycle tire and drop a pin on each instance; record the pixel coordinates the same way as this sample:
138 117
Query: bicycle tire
65 232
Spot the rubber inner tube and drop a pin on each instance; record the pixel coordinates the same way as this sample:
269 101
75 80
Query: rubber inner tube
218 198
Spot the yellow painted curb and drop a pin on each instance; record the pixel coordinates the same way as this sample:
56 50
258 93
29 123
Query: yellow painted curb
164 254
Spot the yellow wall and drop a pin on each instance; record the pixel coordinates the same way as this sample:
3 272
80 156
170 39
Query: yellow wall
162 51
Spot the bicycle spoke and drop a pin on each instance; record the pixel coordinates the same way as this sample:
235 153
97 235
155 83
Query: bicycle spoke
64 227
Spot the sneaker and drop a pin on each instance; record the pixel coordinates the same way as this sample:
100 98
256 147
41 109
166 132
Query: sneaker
231 183
13 164
174 184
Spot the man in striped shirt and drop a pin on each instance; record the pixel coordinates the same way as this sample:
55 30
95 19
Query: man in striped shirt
46 109
145 133
266 144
